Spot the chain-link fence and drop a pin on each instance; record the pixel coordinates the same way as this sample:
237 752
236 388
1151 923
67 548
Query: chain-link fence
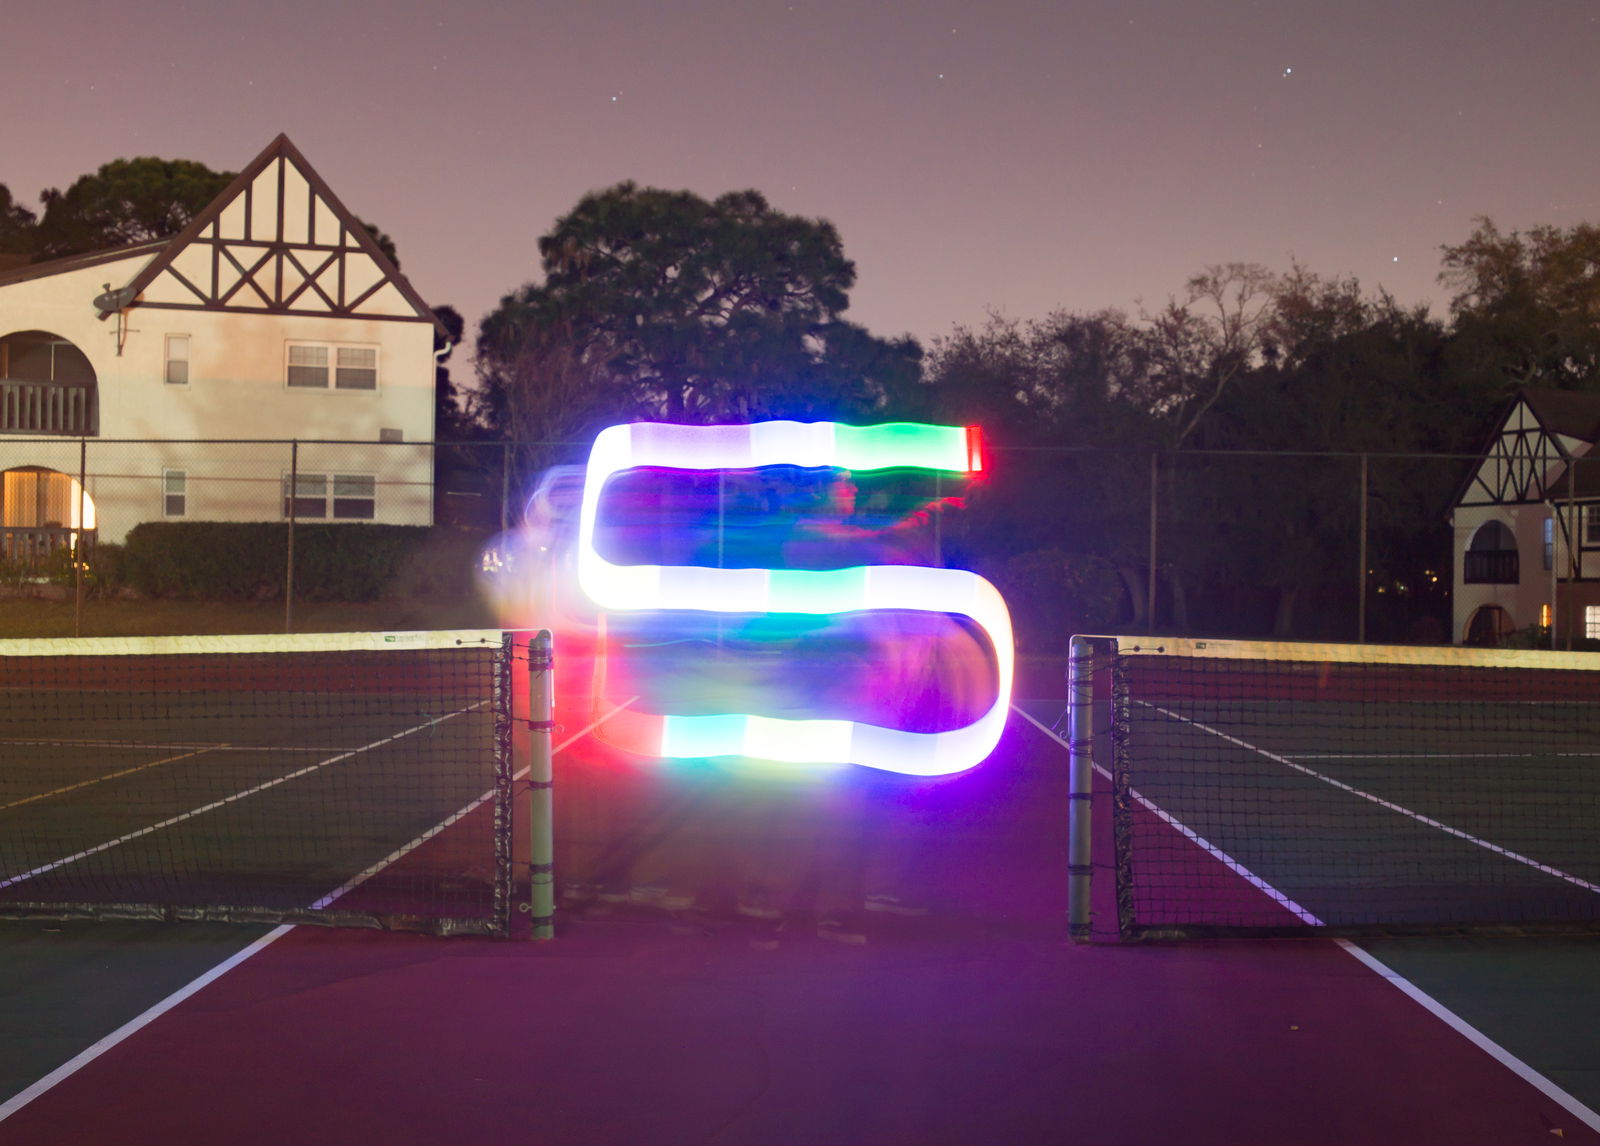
68 504
1311 546
1350 547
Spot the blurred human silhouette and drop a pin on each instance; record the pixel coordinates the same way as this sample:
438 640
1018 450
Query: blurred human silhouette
849 832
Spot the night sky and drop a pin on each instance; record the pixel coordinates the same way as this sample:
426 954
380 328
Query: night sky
1009 156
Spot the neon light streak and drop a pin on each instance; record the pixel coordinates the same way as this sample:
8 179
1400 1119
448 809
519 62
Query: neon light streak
857 589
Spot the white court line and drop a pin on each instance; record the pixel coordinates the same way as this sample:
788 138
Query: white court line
1389 805
133 1026
101 779
1444 1014
193 812
1443 755
140 745
362 877
1200 841
1473 1035
83 1058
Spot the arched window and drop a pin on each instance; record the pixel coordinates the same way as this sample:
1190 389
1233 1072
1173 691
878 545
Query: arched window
1491 557
1488 626
38 356
32 497
47 386
43 513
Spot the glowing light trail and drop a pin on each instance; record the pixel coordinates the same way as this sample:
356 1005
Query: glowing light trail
862 588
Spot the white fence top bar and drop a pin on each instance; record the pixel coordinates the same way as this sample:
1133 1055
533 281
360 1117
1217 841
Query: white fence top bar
250 643
1438 655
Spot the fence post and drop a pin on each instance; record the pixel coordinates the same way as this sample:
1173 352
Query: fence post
1361 579
505 486
541 782
78 555
1080 780
1574 551
1556 534
288 574
1150 584
722 545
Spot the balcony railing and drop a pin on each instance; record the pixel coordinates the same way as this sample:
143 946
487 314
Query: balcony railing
1490 567
46 408
34 549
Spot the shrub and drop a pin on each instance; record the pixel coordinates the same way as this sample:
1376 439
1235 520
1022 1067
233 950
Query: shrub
243 561
108 569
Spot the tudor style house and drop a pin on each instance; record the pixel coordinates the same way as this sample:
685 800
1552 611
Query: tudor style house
273 316
1527 523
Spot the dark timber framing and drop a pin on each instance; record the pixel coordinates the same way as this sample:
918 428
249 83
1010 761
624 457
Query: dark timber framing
259 259
1526 459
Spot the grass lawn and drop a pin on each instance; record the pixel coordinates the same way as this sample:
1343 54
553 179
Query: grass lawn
34 617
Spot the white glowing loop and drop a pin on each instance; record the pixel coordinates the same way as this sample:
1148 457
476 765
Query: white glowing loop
862 588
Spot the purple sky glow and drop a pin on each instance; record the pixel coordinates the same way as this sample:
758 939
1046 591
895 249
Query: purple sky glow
1010 156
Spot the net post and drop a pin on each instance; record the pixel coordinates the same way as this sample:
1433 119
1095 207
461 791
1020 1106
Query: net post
504 783
541 781
1080 748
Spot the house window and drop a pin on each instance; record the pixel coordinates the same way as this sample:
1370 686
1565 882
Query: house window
174 492
357 368
319 365
177 372
353 496
308 366
1591 622
310 498
1591 525
1491 558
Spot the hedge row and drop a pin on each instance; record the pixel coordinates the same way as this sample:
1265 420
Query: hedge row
247 561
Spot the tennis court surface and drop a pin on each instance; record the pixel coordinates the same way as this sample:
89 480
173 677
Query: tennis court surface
327 778
1367 789
648 1021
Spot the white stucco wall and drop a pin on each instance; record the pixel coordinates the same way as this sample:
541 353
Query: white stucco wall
237 390
1522 601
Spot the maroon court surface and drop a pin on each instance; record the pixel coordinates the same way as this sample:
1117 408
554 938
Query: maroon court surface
978 1024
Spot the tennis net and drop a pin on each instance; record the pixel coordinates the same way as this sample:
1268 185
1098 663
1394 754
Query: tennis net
356 779
1263 788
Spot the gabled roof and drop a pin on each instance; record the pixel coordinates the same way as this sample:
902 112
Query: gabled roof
24 271
1571 413
277 240
1537 438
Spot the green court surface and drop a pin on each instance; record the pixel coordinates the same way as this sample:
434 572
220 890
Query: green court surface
1539 998
66 985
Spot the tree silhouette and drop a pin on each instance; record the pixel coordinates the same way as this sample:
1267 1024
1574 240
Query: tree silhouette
125 201
17 225
665 304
